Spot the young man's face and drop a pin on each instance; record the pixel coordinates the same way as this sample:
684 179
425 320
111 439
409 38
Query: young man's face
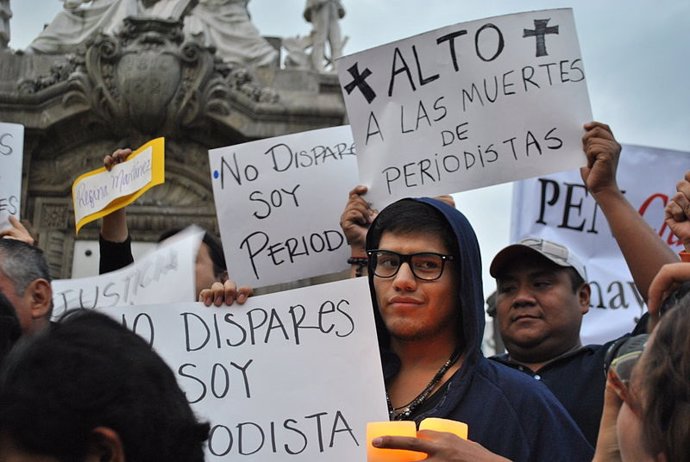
415 309
538 311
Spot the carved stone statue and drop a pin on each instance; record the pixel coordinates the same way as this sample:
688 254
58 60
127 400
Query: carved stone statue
77 23
5 15
222 24
226 26
324 16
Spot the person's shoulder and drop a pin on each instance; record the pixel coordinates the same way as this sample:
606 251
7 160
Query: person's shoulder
510 382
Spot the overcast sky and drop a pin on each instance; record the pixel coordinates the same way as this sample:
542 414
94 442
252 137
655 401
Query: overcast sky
635 54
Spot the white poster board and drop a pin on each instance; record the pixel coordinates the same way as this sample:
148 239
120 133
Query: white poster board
11 154
467 106
165 275
294 375
558 208
279 202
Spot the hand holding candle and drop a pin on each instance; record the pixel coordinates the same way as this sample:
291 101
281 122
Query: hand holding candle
444 425
407 429
397 428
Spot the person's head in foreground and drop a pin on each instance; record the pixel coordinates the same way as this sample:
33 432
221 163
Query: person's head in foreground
88 389
654 420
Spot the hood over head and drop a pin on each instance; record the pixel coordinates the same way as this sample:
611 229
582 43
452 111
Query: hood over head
468 261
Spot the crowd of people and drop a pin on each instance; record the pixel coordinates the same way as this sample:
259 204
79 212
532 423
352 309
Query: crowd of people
549 397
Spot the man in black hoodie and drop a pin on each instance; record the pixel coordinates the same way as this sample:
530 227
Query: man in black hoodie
424 272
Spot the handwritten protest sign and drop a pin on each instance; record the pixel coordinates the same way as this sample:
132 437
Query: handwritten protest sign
100 192
559 208
467 106
165 275
279 201
11 153
292 375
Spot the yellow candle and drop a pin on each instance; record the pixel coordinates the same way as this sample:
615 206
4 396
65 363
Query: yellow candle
444 425
397 428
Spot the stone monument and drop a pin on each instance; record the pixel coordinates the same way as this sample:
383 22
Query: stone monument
144 69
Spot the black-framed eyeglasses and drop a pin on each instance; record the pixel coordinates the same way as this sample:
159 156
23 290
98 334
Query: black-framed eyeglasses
427 266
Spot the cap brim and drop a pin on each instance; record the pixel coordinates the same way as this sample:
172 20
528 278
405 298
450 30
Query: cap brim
512 252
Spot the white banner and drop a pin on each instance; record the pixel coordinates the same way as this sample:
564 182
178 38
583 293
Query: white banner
559 208
293 375
279 202
467 106
165 275
11 154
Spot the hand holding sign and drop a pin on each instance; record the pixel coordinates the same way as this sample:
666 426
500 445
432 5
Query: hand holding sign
99 192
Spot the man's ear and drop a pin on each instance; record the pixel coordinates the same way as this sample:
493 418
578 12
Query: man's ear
584 294
41 298
105 446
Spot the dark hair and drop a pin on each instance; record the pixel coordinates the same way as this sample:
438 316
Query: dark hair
89 371
410 216
662 383
215 249
22 263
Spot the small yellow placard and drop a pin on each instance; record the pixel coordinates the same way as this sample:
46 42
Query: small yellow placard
100 192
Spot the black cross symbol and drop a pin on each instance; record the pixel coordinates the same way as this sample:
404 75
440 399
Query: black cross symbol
359 82
540 31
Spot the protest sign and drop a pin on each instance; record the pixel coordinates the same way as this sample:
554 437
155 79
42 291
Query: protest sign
467 106
11 153
165 275
279 201
559 208
100 192
292 375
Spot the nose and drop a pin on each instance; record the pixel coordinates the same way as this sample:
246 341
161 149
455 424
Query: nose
404 279
523 296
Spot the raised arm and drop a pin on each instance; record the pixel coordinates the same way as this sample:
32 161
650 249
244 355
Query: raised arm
644 251
114 242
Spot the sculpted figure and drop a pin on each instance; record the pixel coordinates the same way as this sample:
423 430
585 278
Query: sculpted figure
226 25
222 24
5 15
324 16
79 21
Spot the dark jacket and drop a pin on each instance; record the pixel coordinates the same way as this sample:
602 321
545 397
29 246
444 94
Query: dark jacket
505 411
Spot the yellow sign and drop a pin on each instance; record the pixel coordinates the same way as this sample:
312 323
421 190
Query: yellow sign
100 192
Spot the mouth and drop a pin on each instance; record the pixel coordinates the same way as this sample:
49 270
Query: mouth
404 302
525 317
